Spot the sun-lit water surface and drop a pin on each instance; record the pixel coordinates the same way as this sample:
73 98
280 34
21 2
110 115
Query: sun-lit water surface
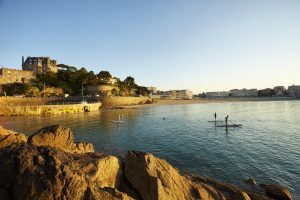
266 148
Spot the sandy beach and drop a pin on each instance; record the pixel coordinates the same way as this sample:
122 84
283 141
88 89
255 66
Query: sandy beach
207 100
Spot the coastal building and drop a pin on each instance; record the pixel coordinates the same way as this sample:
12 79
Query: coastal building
279 90
173 94
181 94
244 93
39 65
152 90
294 91
8 75
111 81
219 94
165 95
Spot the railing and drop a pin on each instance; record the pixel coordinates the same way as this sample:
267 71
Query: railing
46 103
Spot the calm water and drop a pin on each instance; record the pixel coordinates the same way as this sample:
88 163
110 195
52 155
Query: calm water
266 148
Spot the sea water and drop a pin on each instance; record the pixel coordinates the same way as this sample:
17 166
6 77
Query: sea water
266 147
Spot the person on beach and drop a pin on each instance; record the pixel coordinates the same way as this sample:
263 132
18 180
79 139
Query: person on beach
226 120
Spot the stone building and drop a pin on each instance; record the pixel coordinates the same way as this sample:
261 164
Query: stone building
181 94
39 65
244 93
8 75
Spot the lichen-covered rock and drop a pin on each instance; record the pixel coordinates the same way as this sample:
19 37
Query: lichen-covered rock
32 172
60 137
277 192
9 137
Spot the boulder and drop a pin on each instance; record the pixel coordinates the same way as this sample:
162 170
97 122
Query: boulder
250 181
9 137
155 178
60 137
241 196
33 172
228 190
277 192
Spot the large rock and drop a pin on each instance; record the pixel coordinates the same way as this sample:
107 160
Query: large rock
60 137
228 190
31 172
277 192
9 137
154 178
250 181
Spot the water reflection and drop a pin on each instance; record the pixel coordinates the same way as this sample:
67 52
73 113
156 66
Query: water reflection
30 124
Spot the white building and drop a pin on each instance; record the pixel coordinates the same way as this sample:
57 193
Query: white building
152 90
173 94
294 90
244 93
217 94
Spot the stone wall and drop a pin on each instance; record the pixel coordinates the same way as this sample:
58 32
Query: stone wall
14 101
48 109
124 101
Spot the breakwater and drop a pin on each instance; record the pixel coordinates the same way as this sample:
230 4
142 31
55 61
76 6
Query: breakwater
27 110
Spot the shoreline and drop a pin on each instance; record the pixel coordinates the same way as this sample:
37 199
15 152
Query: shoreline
161 102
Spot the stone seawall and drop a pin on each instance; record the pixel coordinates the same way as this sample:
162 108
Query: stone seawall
48 109
124 101
26 100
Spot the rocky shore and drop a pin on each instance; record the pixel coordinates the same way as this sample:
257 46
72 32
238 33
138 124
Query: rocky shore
50 165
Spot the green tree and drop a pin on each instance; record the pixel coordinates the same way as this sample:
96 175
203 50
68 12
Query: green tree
104 75
268 92
16 88
142 91
129 80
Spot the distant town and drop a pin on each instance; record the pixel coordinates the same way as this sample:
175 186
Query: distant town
43 77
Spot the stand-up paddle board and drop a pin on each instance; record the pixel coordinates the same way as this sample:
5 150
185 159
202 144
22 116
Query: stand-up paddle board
230 125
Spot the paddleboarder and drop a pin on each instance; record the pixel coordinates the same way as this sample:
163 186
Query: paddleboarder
226 121
215 115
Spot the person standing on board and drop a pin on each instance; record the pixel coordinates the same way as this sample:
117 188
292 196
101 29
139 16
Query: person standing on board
226 121
215 115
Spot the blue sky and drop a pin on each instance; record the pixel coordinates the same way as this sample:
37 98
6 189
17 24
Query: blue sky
203 45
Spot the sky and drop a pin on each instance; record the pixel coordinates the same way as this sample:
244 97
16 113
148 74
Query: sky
201 45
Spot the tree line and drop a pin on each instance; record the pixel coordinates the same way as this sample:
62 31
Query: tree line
71 81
